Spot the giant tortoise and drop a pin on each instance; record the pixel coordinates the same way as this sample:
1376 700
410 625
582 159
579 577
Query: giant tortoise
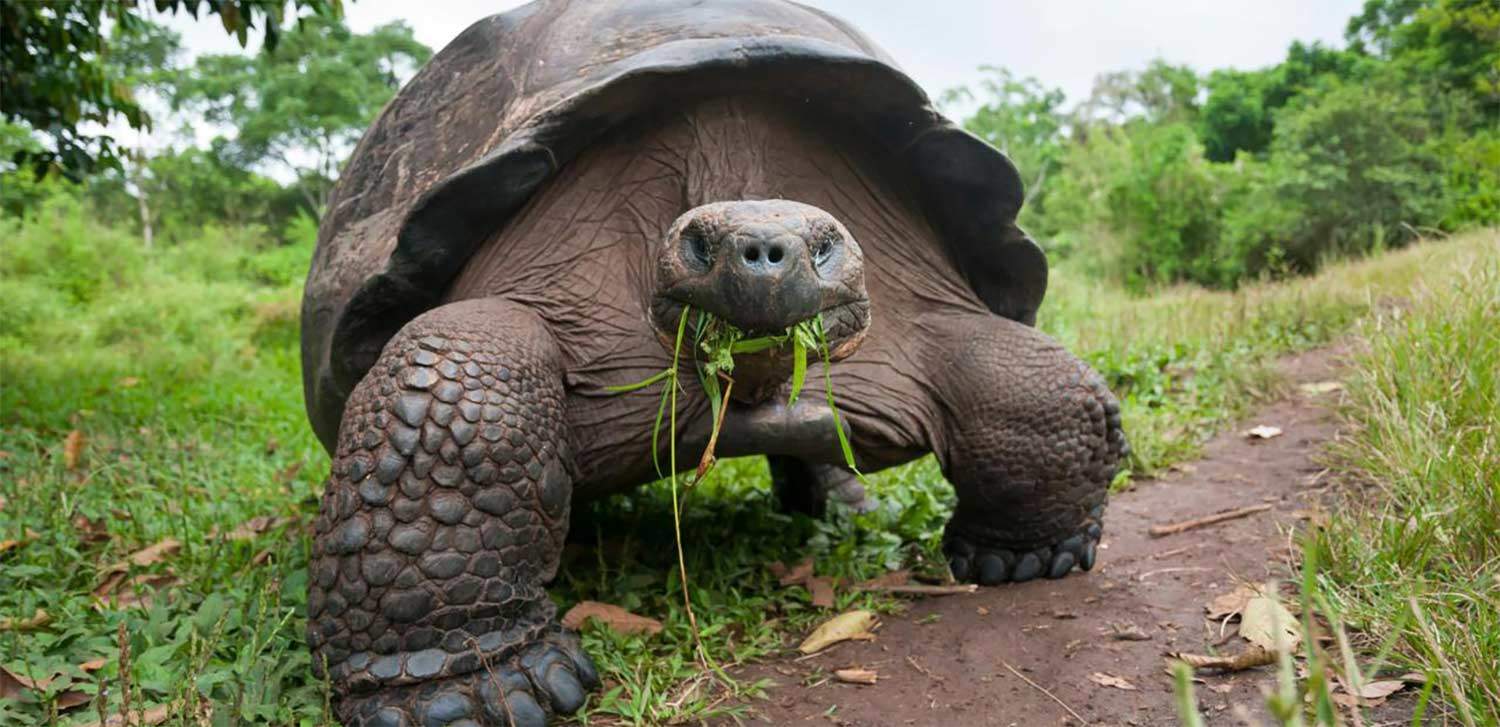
522 229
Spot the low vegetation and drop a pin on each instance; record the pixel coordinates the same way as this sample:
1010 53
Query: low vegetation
158 475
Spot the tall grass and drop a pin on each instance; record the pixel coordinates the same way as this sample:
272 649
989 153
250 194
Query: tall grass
1414 554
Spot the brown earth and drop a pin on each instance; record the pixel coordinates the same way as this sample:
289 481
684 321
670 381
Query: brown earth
949 660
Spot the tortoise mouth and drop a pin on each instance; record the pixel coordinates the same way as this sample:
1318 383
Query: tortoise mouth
761 372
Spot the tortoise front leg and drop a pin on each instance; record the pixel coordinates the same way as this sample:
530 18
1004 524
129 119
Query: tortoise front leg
1031 441
441 523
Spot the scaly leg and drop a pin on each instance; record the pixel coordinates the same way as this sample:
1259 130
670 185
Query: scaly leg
441 523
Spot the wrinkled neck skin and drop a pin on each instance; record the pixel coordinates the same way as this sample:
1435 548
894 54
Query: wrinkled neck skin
581 253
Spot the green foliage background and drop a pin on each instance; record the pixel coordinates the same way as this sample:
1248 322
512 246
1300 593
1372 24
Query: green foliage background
151 303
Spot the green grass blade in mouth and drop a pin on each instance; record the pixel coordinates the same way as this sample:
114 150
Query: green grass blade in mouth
838 421
626 388
799 369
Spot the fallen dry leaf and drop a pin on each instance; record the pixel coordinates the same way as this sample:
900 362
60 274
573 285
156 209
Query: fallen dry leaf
615 618
1110 680
822 592
252 527
1380 689
1247 659
1128 632
289 473
90 531
1268 624
887 580
93 664
1263 431
1227 605
71 699
850 625
13 685
798 573
35 621
72 449
1315 388
148 555
856 676
153 716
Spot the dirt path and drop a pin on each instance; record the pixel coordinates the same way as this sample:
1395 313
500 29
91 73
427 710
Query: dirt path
944 662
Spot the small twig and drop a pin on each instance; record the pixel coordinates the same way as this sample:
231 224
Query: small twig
1043 690
1185 569
923 669
1158 531
919 589
707 462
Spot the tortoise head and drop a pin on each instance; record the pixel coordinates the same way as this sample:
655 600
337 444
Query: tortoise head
763 267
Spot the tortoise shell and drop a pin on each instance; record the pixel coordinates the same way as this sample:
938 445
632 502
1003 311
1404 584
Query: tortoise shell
516 96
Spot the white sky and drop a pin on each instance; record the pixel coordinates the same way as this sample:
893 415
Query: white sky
941 43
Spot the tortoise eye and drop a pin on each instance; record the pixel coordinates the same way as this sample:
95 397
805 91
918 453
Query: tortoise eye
697 247
823 249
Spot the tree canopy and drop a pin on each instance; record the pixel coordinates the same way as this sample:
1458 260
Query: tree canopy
301 106
60 79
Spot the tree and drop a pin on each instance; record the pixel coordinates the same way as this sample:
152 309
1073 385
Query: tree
1454 42
144 57
56 75
1238 113
1161 93
301 106
1021 118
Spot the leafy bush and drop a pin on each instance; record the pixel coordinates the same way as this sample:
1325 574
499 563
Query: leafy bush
1151 185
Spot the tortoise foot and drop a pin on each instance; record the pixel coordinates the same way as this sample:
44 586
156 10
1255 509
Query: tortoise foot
978 559
549 678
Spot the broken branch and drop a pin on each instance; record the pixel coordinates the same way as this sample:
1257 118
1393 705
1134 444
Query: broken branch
1158 531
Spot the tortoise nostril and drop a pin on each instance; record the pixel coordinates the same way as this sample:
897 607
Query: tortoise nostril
752 254
775 254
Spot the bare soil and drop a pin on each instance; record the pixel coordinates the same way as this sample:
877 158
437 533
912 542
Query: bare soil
949 660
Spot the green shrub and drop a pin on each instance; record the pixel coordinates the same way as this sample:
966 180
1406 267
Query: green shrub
1150 184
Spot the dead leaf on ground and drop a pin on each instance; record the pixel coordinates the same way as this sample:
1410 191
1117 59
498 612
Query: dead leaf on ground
1110 680
13 685
1263 431
1227 605
797 573
850 625
822 592
93 664
1128 632
148 555
140 591
1268 624
289 473
35 621
72 449
1248 659
887 580
1370 694
615 618
153 716
1314 388
856 676
252 527
89 530
72 699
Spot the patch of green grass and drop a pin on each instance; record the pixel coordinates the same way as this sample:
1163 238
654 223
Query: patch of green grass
1414 554
1186 360
179 370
